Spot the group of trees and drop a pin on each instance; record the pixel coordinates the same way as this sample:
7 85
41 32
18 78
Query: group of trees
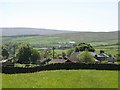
85 56
83 47
80 47
25 54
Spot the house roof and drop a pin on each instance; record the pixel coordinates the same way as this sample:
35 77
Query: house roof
58 61
102 55
73 57
93 54
111 59
45 60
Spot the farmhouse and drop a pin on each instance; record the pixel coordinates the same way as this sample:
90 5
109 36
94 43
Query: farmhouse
98 57
101 56
44 61
7 62
73 57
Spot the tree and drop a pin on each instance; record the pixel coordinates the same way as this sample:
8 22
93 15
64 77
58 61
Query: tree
24 54
47 53
27 55
102 51
84 46
35 55
77 49
69 52
80 47
86 57
63 54
5 53
11 47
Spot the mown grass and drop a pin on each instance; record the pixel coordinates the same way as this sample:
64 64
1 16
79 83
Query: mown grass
62 79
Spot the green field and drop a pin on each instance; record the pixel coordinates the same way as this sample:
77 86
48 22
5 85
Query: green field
113 49
66 78
106 41
96 38
62 79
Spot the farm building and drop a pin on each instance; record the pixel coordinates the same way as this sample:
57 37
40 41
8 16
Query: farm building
73 57
100 57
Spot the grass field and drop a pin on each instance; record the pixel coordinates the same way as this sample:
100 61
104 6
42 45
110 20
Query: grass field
96 38
62 79
113 50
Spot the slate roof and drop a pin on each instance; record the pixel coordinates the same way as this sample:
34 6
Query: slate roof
73 57
103 55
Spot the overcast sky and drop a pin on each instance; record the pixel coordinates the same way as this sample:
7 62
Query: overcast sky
77 15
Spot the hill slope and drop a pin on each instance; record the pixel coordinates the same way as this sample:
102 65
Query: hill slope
90 36
47 37
29 31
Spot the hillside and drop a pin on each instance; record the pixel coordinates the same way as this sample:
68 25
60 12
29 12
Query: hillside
29 31
49 38
90 36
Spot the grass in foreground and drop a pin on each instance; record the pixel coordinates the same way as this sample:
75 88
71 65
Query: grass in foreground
62 79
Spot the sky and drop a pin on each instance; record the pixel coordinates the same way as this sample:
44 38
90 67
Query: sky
75 15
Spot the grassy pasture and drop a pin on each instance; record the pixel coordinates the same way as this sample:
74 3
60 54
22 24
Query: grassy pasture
62 79
66 78
113 50
51 40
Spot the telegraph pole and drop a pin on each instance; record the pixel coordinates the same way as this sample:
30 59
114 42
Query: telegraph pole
14 49
53 52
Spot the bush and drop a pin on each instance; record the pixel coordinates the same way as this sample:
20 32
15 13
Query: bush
86 57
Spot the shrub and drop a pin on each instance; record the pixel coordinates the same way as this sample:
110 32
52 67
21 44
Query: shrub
86 57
